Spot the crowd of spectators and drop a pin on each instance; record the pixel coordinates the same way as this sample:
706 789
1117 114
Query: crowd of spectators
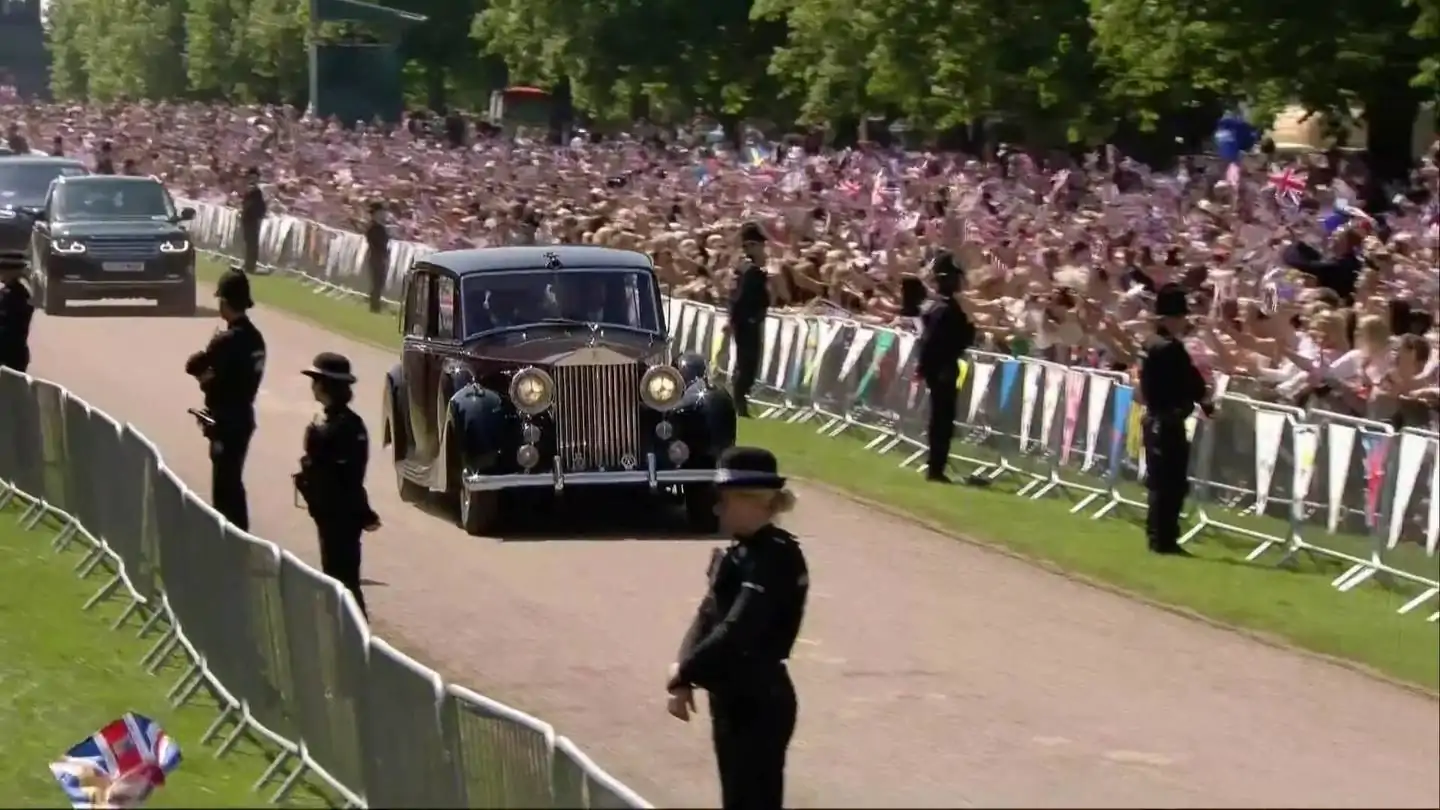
1295 286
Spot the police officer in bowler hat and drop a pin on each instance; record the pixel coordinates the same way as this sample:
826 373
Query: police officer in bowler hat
332 472
743 633
16 313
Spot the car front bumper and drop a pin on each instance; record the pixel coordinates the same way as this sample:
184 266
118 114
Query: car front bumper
86 277
558 480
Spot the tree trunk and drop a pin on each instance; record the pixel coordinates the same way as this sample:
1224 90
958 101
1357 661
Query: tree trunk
1389 136
435 95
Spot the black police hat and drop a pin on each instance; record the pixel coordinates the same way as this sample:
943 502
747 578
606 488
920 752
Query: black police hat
748 468
234 289
330 366
1171 301
752 232
13 260
945 266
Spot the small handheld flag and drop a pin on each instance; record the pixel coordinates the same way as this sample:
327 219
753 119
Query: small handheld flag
1288 186
118 766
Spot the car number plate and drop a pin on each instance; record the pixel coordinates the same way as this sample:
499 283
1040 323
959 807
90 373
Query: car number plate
123 267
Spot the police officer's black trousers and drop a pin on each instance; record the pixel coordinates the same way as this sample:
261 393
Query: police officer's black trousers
378 267
250 236
17 360
941 430
340 553
747 365
1167 469
751 727
228 448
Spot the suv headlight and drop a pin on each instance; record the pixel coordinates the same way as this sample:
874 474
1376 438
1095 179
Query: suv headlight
8 213
532 391
661 388
69 247
175 246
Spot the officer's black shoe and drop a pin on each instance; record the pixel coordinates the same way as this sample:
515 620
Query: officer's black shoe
1171 551
742 410
938 478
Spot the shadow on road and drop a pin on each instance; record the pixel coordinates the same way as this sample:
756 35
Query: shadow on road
581 515
109 310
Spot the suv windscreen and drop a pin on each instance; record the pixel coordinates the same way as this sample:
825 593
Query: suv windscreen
520 297
111 200
26 183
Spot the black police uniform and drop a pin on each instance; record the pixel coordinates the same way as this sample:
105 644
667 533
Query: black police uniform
252 215
737 646
332 476
946 332
1170 387
235 359
16 312
748 306
377 239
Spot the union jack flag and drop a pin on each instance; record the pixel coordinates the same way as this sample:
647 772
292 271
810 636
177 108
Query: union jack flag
1288 185
118 766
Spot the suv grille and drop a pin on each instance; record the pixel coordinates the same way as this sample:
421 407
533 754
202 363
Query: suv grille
597 416
133 248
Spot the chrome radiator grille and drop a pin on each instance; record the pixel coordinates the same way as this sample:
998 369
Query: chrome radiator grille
597 416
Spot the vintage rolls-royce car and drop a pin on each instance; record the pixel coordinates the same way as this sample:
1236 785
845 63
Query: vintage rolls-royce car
547 368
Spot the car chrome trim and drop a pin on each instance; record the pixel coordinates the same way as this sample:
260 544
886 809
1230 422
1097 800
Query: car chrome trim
558 479
597 415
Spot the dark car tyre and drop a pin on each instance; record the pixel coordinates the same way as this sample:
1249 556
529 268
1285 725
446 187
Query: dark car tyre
181 302
398 437
53 297
700 508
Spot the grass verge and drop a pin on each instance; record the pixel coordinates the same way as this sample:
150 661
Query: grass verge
1294 606
64 674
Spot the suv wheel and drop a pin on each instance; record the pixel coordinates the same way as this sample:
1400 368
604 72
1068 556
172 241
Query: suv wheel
53 296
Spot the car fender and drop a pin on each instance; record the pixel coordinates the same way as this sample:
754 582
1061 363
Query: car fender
692 367
713 408
475 424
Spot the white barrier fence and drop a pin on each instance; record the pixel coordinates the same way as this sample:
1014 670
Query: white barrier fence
1357 493
282 647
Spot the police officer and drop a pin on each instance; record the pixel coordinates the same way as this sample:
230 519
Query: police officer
16 311
946 332
377 258
748 305
252 215
105 163
743 632
332 473
1170 388
229 370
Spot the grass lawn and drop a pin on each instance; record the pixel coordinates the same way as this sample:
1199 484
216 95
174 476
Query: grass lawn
1297 606
64 673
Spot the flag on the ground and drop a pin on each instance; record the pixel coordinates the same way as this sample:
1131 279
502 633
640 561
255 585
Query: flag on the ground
118 766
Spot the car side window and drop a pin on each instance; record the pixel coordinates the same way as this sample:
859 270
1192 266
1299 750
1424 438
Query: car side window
445 307
418 305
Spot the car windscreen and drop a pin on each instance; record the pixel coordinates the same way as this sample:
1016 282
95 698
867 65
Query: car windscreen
26 183
501 299
106 200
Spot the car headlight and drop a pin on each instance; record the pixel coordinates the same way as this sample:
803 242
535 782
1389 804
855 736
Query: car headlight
532 391
661 388
7 213
175 246
67 246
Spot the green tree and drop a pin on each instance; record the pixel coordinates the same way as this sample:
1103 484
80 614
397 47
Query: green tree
129 54
276 45
1338 57
68 78
448 68
661 58
216 60
940 65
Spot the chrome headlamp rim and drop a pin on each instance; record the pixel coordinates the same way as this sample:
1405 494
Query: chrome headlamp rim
659 374
547 387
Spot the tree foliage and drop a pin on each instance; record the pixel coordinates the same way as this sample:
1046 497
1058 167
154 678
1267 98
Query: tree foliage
1057 71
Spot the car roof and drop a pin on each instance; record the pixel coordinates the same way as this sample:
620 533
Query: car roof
537 257
107 178
40 160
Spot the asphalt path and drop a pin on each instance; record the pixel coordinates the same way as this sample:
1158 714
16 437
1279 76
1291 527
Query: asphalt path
931 673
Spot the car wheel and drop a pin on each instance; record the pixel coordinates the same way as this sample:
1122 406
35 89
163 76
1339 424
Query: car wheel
54 298
180 305
479 512
700 508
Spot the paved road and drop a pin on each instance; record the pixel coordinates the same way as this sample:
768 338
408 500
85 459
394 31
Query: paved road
931 673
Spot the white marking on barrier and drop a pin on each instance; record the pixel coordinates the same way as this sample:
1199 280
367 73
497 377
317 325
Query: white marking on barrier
1340 441
1098 396
1029 391
1305 445
979 387
1413 450
1269 431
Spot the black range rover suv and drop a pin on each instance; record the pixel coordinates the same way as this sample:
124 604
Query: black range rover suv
112 237
24 180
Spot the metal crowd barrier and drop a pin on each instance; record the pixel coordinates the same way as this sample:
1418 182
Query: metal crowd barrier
1290 483
283 648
